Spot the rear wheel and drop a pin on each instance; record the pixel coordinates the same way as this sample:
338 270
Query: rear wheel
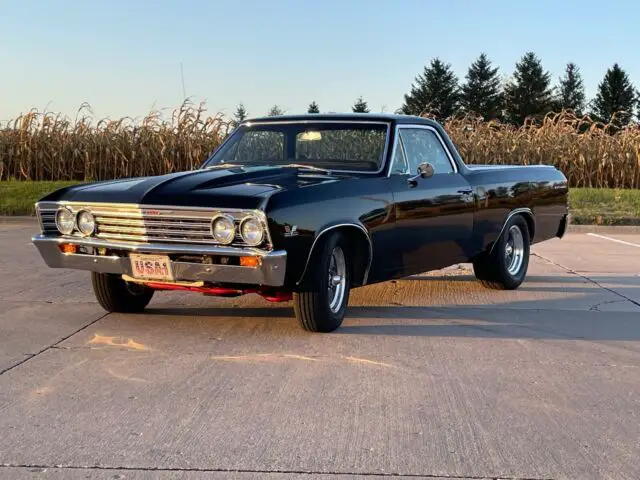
505 267
116 295
321 303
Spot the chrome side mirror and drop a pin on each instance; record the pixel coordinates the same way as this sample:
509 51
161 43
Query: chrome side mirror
425 170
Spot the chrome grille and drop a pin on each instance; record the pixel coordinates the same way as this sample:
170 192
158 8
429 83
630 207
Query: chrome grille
47 219
142 224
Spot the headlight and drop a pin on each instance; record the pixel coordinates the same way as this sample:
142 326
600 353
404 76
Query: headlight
65 221
223 229
86 223
252 231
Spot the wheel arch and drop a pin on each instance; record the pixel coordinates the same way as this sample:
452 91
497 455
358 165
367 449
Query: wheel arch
528 216
359 241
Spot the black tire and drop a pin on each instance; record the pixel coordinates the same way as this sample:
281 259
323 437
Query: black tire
492 268
116 295
312 303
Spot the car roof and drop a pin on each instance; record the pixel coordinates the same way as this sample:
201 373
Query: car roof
345 117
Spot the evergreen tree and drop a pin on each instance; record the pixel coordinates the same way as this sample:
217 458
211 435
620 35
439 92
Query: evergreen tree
240 115
360 106
275 111
571 90
529 93
436 91
313 108
482 93
616 98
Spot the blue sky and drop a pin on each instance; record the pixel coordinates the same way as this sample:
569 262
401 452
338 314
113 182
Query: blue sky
123 57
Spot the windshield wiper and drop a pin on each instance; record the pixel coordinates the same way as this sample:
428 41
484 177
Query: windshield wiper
307 167
270 164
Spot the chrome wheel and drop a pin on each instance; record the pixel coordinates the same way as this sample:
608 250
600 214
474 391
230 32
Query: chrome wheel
337 279
514 250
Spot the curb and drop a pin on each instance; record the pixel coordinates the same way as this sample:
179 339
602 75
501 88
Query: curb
18 219
620 229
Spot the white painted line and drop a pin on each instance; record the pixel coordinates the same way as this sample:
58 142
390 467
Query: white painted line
614 240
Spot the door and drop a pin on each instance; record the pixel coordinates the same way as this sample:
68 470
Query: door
434 215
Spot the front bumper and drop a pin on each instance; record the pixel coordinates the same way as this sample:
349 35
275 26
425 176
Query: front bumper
270 272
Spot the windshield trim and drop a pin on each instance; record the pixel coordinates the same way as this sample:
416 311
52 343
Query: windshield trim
249 123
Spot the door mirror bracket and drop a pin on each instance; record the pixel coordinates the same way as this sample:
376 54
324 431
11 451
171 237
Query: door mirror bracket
425 170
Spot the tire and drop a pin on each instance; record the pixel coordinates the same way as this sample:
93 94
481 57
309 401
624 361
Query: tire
319 306
502 268
116 295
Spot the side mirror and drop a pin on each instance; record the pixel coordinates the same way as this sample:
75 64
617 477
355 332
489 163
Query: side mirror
425 170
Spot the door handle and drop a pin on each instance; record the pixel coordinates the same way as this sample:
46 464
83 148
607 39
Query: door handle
466 191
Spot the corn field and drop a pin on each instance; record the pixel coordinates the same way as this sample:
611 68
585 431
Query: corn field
37 146
580 148
47 146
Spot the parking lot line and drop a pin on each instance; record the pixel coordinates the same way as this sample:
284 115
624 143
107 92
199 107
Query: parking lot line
614 240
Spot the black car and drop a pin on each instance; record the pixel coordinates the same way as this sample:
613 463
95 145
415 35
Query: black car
305 208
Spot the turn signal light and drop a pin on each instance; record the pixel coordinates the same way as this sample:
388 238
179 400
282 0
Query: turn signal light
249 261
68 248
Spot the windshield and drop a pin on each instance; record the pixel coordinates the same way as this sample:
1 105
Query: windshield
347 146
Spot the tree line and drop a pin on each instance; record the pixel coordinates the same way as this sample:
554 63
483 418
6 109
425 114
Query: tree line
528 95
360 106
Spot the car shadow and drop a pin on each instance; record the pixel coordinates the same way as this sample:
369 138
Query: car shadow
575 315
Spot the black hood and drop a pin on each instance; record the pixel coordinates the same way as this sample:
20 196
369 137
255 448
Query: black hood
221 187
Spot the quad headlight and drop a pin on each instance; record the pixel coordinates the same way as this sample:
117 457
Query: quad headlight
85 222
223 229
65 221
252 231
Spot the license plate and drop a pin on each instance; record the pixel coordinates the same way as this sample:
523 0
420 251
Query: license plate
151 267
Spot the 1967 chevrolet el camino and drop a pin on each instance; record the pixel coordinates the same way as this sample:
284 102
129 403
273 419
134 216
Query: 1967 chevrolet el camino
305 208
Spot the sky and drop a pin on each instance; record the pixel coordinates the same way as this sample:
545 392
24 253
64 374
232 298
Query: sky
125 57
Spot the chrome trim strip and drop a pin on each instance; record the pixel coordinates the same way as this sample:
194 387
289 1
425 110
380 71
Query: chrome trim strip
412 126
55 204
364 230
154 247
513 212
136 238
383 164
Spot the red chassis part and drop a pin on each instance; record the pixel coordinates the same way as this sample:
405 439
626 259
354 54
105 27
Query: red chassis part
223 292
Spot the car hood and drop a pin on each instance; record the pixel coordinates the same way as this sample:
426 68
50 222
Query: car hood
218 187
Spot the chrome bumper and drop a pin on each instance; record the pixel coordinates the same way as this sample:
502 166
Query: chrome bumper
271 271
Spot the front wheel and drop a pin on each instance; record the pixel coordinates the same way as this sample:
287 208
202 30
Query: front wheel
116 295
321 303
505 267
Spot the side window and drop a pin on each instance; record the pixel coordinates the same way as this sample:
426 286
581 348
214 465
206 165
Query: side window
399 161
423 145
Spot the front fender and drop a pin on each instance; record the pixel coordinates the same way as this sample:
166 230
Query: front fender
300 241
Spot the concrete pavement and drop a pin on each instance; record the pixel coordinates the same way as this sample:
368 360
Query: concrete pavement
429 377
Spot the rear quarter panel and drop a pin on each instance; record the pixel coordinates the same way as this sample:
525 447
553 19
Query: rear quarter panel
542 189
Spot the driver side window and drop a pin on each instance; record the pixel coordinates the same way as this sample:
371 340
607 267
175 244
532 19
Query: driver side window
423 145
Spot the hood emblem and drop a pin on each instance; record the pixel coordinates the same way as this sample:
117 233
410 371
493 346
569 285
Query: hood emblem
290 231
